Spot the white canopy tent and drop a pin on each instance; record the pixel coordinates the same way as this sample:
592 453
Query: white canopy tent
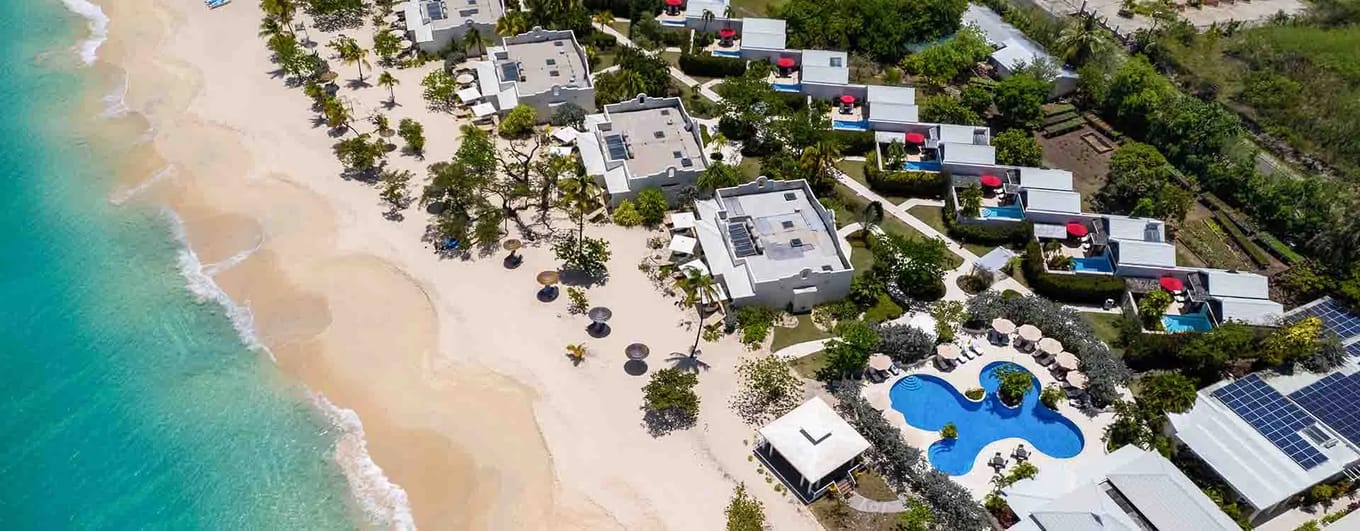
565 135
681 244
470 94
682 220
482 110
816 442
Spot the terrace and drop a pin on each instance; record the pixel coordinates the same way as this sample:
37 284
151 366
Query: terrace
787 75
880 108
672 14
906 152
688 13
728 44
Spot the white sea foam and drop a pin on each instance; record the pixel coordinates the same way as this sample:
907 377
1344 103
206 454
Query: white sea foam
126 195
385 502
99 27
115 103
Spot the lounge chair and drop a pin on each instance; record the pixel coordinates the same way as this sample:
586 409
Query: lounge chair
893 369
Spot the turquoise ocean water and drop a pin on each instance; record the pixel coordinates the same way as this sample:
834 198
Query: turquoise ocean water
128 402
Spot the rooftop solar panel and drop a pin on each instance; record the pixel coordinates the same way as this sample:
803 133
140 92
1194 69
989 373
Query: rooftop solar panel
1336 401
1353 348
1274 417
1334 316
435 10
617 149
740 236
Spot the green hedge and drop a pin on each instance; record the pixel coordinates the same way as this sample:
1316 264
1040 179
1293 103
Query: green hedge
1075 288
1009 234
1064 128
1279 248
1257 254
711 66
855 143
907 183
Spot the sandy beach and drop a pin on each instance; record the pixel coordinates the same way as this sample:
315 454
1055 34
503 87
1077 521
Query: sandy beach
457 373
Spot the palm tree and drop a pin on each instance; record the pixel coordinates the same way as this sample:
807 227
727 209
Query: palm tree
270 27
351 53
700 290
281 10
871 215
630 84
472 40
512 23
580 197
577 353
707 16
386 79
603 18
819 160
1081 41
728 14
718 142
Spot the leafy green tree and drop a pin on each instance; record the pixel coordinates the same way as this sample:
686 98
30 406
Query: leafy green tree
945 62
1153 307
700 290
970 201
1137 172
518 122
917 517
669 399
718 175
386 79
1166 392
1082 40
744 513
848 352
916 265
1051 396
1014 383
947 110
950 431
1020 99
386 45
651 203
769 389
358 154
1015 147
589 256
512 23
414 134
474 42
638 73
626 215
976 98
819 161
350 53
441 90
337 114
568 115
580 196
395 191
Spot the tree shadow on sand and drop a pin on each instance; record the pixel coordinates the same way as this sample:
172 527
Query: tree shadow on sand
687 362
663 422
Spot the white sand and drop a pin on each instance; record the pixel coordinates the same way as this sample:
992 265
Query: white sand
456 371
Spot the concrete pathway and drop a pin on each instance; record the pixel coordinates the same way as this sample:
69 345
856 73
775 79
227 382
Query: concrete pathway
800 350
866 505
675 72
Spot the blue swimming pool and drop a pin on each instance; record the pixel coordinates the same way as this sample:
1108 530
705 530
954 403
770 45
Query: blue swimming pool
1195 322
928 402
922 165
726 53
787 87
1005 212
1094 264
850 125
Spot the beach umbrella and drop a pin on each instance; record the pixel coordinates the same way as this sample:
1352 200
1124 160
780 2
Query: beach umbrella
880 362
784 62
637 351
1171 283
1003 326
1029 333
916 138
1067 361
991 181
512 245
547 278
727 33
329 76
1077 229
1050 345
1076 379
600 314
948 351
847 99
405 44
397 33
391 18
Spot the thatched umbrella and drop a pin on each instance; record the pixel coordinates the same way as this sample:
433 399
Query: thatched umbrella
947 351
547 278
329 76
512 245
880 362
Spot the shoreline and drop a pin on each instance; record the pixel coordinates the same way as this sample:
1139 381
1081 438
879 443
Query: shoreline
465 403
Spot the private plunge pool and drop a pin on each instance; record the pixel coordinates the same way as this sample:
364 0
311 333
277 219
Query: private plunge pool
1003 212
928 402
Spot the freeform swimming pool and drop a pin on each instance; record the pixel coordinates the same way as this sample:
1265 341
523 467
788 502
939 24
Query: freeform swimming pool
928 402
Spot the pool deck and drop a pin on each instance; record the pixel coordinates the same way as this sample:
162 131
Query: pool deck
963 377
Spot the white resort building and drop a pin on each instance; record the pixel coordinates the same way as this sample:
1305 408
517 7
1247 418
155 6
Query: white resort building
1129 489
772 243
642 143
542 69
810 448
436 25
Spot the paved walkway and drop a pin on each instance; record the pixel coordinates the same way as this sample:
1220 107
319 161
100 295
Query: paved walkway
866 505
799 350
676 73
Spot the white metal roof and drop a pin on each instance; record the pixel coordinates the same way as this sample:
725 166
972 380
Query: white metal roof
1046 179
1050 230
1254 467
1130 228
956 134
886 94
967 153
1052 201
1263 312
762 33
682 244
814 439
1138 252
894 112
1222 283
821 66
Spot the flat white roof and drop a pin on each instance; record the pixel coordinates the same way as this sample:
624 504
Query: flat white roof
1221 283
1138 252
887 94
1129 228
1046 179
814 439
1262 312
826 67
956 134
894 112
1052 201
1250 463
995 259
542 59
762 33
1081 498
969 153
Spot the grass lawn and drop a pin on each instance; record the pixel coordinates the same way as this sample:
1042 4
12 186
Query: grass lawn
750 167
602 61
1107 327
807 366
834 515
872 486
805 331
934 216
621 27
860 256
750 8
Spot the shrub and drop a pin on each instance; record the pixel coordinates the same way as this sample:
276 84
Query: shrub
1051 396
568 115
651 203
579 302
603 41
711 65
519 121
854 142
975 393
1152 307
1076 287
755 323
909 183
950 431
626 215
1009 234
883 310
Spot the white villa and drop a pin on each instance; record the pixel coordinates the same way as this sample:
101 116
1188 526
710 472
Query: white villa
772 243
810 448
642 143
541 68
436 25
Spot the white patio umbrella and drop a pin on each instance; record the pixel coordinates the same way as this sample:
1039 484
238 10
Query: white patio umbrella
405 44
470 94
483 109
396 33
464 79
1029 333
1067 360
1050 346
1003 326
1076 379
948 351
391 18
880 362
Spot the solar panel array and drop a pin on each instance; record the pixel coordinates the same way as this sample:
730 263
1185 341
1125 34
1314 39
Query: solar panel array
1353 348
742 243
1274 417
1335 317
617 149
1336 400
436 10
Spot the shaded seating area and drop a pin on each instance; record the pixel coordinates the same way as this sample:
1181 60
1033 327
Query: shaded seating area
810 448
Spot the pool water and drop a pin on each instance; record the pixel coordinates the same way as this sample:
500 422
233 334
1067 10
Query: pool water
1006 212
850 125
928 402
724 53
1095 264
1195 322
923 165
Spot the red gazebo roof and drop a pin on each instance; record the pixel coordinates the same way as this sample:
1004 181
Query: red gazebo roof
674 3
784 62
991 181
1077 229
847 99
1171 283
726 32
916 138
